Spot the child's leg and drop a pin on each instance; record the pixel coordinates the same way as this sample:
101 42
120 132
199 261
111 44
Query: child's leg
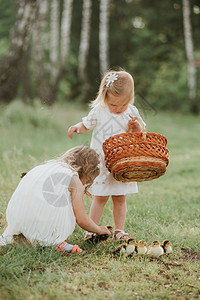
97 207
119 211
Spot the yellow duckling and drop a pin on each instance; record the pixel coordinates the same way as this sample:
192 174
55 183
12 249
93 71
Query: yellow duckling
127 248
155 250
141 248
166 245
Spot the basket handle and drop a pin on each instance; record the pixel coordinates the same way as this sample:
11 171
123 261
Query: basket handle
139 119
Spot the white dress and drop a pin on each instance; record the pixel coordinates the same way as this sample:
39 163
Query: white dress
105 124
41 208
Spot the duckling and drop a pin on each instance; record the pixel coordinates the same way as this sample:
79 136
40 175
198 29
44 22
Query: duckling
102 237
95 238
127 248
141 248
155 250
166 245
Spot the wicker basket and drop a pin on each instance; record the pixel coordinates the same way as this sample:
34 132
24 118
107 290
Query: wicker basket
136 156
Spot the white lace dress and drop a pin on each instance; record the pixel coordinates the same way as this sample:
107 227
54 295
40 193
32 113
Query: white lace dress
105 124
41 208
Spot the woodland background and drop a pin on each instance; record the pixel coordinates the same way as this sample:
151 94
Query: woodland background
57 50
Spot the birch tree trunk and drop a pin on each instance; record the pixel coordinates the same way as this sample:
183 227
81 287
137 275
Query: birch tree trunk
65 31
43 89
54 39
47 89
103 35
85 39
190 56
12 63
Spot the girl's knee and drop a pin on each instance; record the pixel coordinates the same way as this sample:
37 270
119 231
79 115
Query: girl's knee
119 199
101 199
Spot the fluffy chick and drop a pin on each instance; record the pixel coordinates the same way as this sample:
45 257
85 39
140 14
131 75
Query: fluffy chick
166 245
155 250
95 238
127 248
140 248
102 237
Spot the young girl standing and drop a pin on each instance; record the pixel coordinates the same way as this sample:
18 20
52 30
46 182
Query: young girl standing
110 115
49 201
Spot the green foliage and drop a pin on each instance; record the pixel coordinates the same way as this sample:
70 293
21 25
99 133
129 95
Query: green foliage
4 45
158 56
7 14
169 89
7 17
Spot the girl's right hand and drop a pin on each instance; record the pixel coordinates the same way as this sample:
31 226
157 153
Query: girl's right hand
78 128
104 230
71 130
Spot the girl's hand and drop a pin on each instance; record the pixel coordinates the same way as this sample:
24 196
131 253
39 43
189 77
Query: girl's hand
78 128
104 230
71 130
133 125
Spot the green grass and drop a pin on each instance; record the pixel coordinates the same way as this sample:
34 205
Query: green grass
165 208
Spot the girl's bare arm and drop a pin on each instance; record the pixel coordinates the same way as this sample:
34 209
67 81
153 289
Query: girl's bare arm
82 219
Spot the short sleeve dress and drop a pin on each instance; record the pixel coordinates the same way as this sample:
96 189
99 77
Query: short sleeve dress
41 208
105 124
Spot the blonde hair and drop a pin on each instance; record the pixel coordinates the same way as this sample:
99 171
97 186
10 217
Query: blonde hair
123 85
84 160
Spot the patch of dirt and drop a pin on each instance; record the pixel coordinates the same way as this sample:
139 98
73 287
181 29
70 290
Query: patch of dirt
189 254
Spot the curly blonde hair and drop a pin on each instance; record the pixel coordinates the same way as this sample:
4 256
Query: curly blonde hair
123 85
84 160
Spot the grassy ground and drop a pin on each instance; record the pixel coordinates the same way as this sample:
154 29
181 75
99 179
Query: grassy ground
166 208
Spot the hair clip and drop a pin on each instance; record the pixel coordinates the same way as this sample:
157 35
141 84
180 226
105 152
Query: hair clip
111 78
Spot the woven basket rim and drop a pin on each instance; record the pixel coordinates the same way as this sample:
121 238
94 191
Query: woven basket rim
136 134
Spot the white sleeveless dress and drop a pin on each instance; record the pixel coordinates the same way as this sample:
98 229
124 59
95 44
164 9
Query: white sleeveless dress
41 208
104 125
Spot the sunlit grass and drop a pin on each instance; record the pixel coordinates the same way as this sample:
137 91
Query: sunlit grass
165 208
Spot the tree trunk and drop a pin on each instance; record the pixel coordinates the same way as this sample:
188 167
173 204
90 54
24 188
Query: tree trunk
103 35
25 77
65 31
85 39
47 89
12 62
190 57
43 89
54 39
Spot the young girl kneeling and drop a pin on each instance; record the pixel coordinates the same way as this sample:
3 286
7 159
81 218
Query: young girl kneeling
48 201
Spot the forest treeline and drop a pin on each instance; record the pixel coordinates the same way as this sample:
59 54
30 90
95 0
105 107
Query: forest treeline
58 50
